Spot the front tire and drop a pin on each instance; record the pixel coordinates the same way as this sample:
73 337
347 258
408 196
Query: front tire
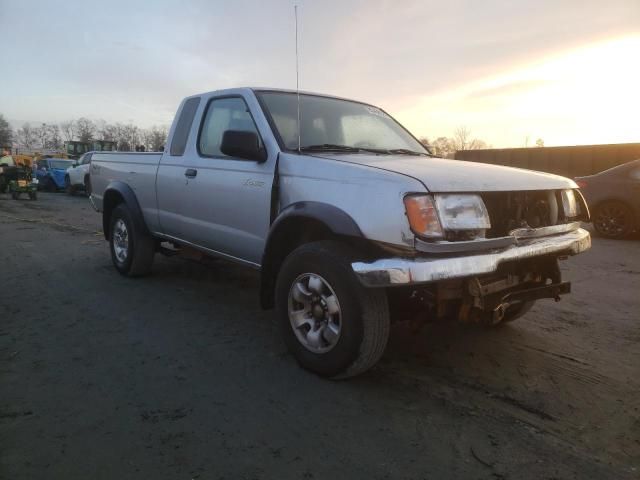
132 250
50 186
331 324
613 219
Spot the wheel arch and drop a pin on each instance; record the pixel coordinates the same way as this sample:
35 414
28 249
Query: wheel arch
297 224
116 193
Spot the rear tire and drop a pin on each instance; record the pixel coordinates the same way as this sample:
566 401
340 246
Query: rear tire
87 185
613 219
132 250
15 195
33 195
319 274
3 184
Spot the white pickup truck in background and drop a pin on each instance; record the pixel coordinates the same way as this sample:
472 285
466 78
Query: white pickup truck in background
350 220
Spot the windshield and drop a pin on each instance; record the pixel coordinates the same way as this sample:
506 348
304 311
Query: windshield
60 163
333 124
74 148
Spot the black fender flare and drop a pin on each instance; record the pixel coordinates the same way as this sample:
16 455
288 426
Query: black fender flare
119 192
336 222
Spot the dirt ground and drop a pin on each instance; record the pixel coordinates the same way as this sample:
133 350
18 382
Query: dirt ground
181 375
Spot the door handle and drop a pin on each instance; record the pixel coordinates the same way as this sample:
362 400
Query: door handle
190 173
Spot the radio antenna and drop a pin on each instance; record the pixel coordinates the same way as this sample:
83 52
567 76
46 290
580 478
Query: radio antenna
295 12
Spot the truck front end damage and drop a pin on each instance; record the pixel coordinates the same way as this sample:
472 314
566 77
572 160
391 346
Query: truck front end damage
491 270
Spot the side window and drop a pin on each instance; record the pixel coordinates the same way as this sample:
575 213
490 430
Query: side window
86 159
223 114
181 133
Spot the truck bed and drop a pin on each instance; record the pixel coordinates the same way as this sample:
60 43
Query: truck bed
136 169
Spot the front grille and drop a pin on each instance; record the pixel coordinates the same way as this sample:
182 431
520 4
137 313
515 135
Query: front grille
511 210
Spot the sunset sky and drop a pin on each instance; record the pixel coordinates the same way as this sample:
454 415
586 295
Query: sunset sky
564 71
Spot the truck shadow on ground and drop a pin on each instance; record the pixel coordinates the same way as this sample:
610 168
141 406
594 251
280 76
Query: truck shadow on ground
518 371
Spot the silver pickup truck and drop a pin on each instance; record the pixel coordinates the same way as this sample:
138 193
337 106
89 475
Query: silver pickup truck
351 222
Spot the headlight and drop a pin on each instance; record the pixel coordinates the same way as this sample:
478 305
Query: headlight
432 216
422 215
569 204
462 212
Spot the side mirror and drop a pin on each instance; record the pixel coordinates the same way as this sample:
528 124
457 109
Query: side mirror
242 144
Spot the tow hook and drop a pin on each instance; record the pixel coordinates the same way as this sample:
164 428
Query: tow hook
499 312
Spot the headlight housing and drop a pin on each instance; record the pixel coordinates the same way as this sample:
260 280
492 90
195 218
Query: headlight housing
422 215
462 212
432 216
569 203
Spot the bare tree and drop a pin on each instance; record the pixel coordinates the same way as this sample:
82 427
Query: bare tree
42 134
156 138
68 129
132 135
100 127
54 139
110 133
463 140
85 129
6 133
26 136
443 147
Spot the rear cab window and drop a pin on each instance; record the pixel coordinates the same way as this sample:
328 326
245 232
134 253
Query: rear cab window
183 127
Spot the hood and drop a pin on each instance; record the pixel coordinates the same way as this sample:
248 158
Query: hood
440 175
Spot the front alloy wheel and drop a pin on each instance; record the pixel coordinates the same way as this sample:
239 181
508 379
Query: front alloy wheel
330 322
120 241
314 313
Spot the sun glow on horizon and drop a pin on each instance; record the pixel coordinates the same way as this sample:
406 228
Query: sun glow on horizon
589 95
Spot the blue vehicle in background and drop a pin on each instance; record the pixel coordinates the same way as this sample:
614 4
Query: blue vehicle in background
50 173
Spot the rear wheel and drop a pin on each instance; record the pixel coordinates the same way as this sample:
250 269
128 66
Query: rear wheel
87 184
613 219
331 324
15 195
3 184
131 249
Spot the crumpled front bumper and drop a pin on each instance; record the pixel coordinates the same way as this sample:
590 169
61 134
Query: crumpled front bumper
405 271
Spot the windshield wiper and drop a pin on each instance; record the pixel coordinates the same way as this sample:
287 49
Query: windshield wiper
404 151
329 147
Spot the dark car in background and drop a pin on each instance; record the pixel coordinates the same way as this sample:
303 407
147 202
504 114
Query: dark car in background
613 197
50 173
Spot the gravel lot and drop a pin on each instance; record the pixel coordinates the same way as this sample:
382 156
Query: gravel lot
181 375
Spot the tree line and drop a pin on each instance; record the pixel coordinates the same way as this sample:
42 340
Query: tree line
462 139
53 135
